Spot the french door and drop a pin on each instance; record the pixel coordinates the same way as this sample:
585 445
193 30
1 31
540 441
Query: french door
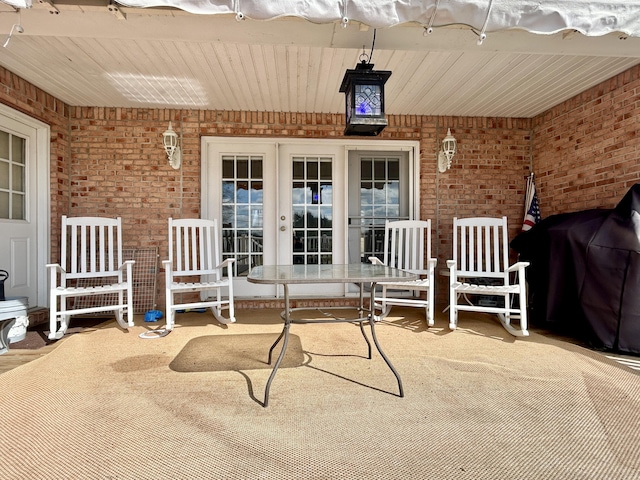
293 203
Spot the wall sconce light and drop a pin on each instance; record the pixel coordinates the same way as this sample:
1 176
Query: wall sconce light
170 141
447 151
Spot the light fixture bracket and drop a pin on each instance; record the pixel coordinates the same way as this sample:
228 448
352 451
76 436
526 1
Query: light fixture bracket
443 163
50 6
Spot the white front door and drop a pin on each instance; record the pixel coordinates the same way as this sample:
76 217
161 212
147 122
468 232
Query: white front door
280 202
24 176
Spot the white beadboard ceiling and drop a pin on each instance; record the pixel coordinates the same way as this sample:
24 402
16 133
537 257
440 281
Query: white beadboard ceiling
85 55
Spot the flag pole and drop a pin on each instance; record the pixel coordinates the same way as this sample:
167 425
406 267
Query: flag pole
529 193
531 206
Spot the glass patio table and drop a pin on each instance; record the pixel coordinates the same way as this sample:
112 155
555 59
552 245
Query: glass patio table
359 273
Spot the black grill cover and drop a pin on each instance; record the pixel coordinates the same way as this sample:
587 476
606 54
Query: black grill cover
584 276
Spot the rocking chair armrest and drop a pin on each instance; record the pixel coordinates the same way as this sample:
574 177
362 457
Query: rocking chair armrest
127 264
432 263
168 272
227 264
453 277
56 271
518 266
55 267
376 261
168 268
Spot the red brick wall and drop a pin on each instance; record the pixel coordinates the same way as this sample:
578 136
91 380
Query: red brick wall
119 166
586 150
487 178
110 161
120 169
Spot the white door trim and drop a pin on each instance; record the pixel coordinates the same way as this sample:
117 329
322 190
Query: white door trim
42 196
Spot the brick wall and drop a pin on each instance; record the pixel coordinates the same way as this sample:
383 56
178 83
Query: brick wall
120 169
110 161
487 178
587 150
119 166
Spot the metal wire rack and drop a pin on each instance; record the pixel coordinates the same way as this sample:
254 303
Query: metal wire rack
145 272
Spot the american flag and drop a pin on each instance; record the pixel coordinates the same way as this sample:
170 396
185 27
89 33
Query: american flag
532 207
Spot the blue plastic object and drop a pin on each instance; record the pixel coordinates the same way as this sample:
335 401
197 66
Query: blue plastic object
152 316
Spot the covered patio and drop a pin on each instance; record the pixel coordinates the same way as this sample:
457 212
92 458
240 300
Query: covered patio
96 83
478 404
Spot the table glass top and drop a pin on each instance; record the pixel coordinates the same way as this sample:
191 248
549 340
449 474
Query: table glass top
352 273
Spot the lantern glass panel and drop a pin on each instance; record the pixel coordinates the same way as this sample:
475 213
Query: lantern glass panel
348 103
170 139
368 100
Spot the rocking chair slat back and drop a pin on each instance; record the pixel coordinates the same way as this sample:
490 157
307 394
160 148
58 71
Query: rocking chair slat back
480 247
405 245
91 267
92 246
193 247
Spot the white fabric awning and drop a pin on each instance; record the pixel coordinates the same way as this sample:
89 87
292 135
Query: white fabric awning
589 17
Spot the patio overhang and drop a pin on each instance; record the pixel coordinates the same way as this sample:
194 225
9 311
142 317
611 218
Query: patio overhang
194 54
589 17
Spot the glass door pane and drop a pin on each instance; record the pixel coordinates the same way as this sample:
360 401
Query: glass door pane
242 211
379 201
378 191
312 210
12 177
307 202
239 189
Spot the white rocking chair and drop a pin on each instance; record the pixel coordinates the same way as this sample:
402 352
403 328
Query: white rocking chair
480 266
91 265
193 251
407 246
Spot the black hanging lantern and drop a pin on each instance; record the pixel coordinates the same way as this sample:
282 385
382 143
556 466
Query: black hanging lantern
364 99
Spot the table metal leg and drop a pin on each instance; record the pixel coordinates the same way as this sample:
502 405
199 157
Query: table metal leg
276 343
285 333
362 320
375 340
284 337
